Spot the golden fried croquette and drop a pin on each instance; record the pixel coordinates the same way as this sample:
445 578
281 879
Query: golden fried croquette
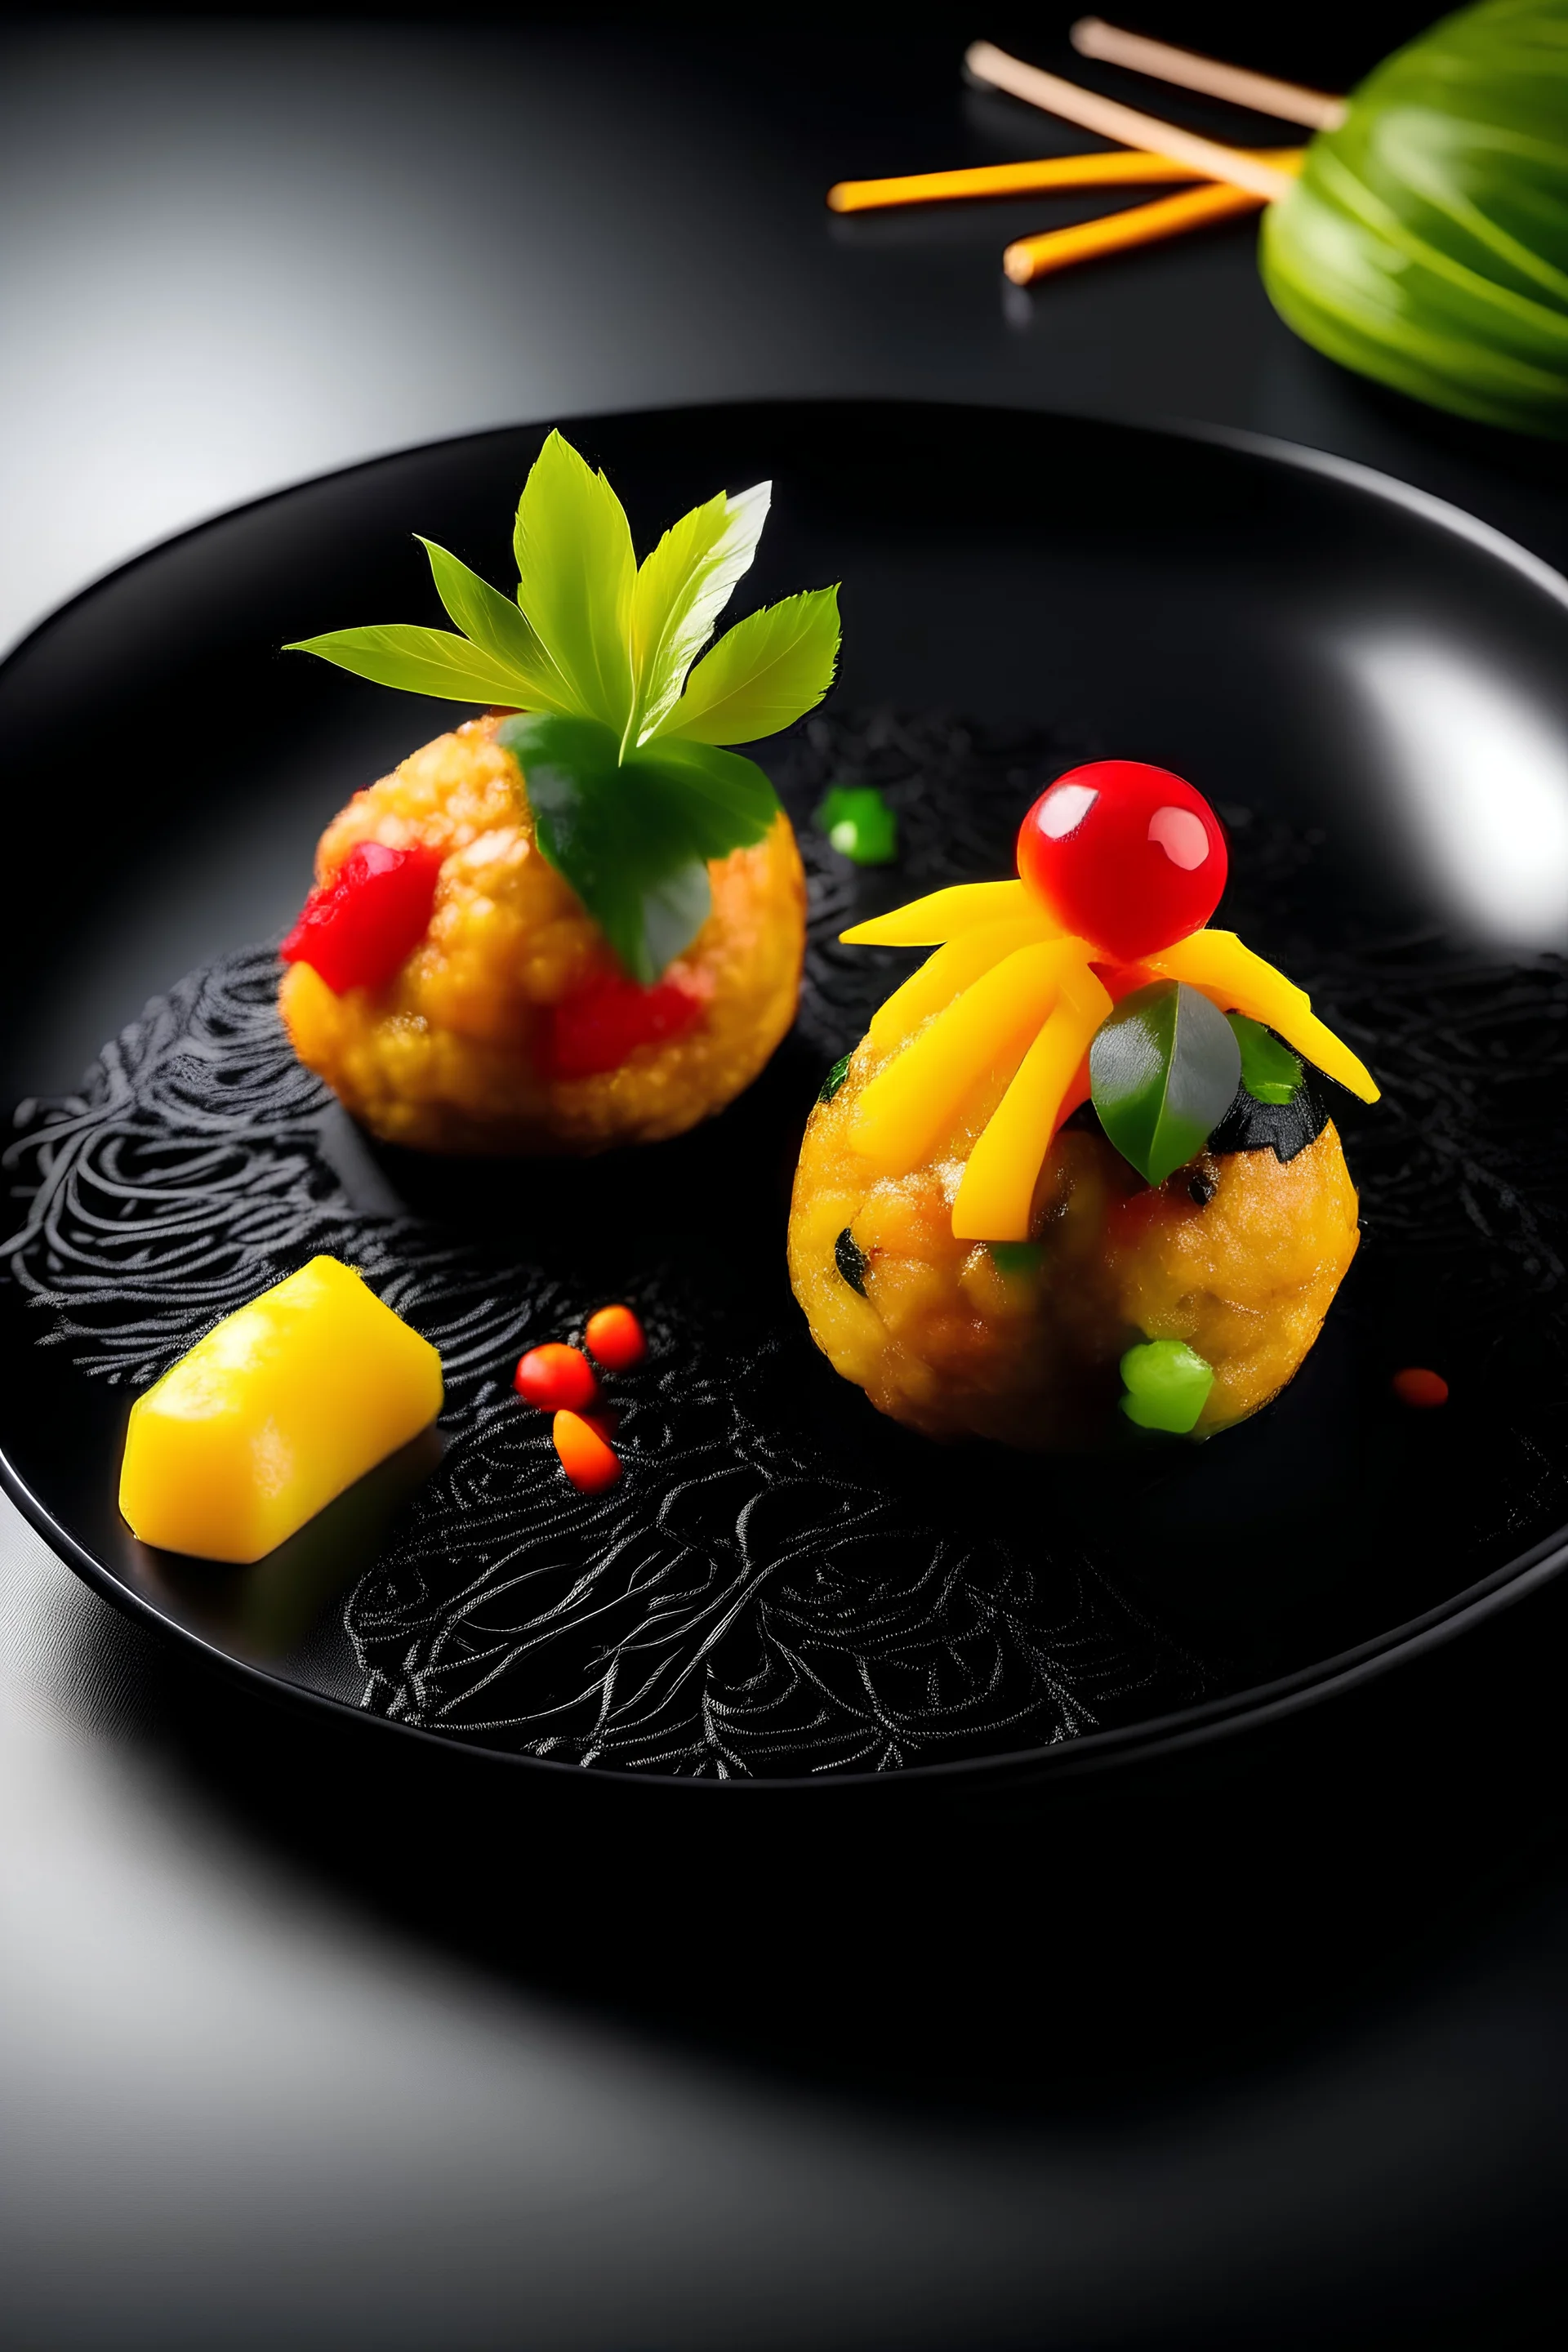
1239 1256
452 1054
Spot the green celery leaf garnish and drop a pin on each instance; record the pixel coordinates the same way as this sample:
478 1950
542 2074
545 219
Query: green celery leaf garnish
1167 1385
576 577
619 746
860 824
1269 1071
762 673
681 589
495 625
1163 1069
420 661
633 837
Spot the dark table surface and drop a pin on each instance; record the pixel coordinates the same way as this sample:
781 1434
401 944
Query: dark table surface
308 2040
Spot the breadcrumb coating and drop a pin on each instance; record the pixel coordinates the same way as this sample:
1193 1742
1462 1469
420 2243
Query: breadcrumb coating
447 1056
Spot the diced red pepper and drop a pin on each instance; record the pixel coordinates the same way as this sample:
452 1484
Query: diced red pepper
1421 1388
555 1376
614 1338
596 1028
359 929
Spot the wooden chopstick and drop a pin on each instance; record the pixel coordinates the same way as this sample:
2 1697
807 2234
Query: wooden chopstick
1117 167
1037 256
991 65
1092 37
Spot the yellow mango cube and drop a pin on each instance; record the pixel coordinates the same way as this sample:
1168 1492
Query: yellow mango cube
278 1410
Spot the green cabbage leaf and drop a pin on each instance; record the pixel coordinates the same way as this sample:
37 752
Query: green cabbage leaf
1425 241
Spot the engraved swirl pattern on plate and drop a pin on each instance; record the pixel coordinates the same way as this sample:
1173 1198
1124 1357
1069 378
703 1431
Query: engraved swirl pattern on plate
756 1597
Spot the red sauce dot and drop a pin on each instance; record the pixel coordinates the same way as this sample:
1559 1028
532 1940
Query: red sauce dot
557 1378
615 1337
1416 1386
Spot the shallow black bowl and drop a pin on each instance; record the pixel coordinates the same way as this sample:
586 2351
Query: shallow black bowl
1372 689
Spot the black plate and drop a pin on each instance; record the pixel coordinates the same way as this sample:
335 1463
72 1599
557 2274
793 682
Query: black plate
1375 692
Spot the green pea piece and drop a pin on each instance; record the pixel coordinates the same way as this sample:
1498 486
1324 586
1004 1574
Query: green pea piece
1167 1385
1269 1071
1017 1260
1163 1069
860 824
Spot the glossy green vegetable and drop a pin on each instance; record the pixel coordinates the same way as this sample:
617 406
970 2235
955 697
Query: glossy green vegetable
1425 242
860 824
1164 1070
1167 1385
1269 1071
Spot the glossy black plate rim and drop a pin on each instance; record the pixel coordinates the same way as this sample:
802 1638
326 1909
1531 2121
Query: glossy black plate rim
1258 1706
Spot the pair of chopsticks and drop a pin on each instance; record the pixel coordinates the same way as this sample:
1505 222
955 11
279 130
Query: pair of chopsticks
1232 179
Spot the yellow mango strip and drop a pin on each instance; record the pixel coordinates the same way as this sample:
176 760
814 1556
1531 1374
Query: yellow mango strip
278 1410
927 922
998 1188
911 1103
1240 981
944 975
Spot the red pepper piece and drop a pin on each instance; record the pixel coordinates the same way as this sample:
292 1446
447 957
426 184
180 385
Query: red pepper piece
556 1377
588 1460
1418 1387
614 1338
359 929
596 1028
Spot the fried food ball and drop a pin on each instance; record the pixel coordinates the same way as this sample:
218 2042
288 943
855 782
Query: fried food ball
1239 1256
451 1055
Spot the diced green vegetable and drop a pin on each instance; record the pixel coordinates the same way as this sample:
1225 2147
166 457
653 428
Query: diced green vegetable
835 1079
851 1261
1015 1258
860 824
1164 1070
1269 1071
1167 1385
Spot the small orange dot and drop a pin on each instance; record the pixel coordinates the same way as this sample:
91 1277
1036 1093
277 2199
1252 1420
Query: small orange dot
1420 1387
615 1337
588 1461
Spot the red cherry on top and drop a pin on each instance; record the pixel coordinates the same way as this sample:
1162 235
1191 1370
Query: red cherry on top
1127 856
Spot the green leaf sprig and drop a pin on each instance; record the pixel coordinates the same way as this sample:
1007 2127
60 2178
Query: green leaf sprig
620 723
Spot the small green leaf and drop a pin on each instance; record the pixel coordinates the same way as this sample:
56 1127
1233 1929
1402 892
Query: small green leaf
493 623
1167 1386
633 837
835 1079
860 824
420 661
762 673
1163 1069
1269 1071
681 589
576 574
